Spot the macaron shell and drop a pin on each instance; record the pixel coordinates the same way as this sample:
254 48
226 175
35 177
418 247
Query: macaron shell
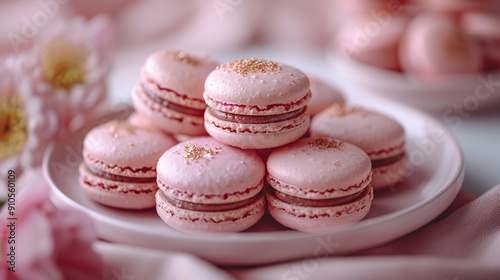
319 219
286 89
203 170
378 135
389 175
322 96
202 222
122 149
165 119
262 137
181 71
306 170
117 194
435 46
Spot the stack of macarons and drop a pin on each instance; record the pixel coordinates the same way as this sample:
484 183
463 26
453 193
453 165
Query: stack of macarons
169 92
214 177
431 39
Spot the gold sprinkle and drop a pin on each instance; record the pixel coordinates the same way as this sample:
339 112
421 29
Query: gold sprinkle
13 128
182 57
324 143
193 152
252 65
337 110
63 63
118 126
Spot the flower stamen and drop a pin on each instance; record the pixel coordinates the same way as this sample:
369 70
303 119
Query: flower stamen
13 130
63 63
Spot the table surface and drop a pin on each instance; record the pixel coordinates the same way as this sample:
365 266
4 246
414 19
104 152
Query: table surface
478 134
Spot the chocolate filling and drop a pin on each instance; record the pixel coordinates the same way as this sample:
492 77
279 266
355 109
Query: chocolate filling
387 161
173 106
247 119
316 202
209 207
118 178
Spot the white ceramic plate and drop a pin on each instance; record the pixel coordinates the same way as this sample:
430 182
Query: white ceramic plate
436 178
459 95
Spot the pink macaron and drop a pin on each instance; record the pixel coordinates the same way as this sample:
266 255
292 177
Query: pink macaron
372 40
482 25
119 164
207 186
256 103
170 91
435 46
455 6
484 28
323 95
318 184
380 136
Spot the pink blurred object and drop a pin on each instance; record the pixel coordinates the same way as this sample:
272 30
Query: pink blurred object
219 25
22 21
49 243
435 47
463 244
456 5
301 24
373 40
484 28
137 263
91 8
189 24
164 18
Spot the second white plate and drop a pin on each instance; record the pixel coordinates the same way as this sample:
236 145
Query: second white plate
472 93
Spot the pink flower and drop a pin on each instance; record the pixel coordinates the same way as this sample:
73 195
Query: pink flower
28 123
50 244
67 65
52 89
